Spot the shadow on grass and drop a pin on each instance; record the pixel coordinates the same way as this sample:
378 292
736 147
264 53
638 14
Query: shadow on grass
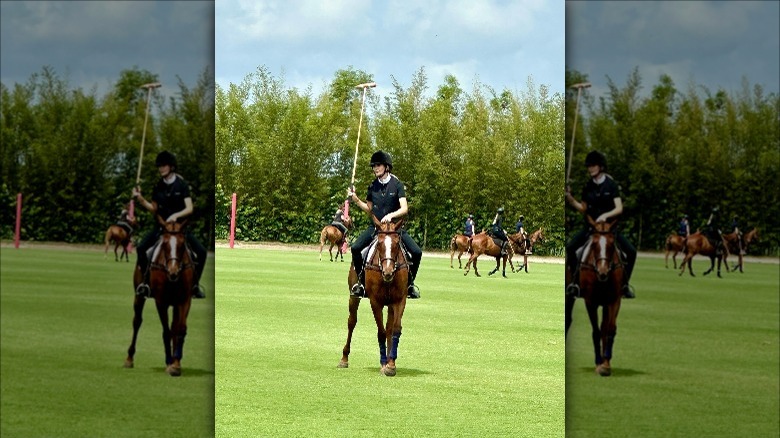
187 372
616 372
401 372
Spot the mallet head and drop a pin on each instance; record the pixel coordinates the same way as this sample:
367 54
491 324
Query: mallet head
366 85
581 85
151 85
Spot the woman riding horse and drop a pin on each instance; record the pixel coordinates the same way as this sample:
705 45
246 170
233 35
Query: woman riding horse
601 201
170 200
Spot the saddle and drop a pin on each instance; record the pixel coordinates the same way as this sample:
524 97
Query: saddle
125 226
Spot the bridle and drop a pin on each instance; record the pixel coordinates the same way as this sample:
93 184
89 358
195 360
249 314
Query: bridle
397 265
599 257
167 259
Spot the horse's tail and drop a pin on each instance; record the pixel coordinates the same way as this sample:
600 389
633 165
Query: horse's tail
668 243
108 239
323 236
453 243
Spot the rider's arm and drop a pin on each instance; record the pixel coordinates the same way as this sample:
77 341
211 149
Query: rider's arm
362 205
184 213
398 213
579 206
612 213
151 206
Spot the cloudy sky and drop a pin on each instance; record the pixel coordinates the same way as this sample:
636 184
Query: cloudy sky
714 43
89 43
499 42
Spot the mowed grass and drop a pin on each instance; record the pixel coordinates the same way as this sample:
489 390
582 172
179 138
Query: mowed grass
66 326
694 356
478 356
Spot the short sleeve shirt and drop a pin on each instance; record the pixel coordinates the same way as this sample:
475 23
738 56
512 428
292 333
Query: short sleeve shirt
600 198
170 197
385 198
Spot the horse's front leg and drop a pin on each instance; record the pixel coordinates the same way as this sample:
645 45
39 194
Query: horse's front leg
138 318
712 265
593 315
392 337
162 311
608 333
178 334
472 259
354 304
381 332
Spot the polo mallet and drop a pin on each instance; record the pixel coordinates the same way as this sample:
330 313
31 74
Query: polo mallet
579 88
365 86
149 87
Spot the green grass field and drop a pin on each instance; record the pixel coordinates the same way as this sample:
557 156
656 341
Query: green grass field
694 356
478 356
66 325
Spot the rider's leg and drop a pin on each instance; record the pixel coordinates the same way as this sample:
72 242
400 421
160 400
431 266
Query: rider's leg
200 264
630 251
362 241
142 261
414 250
572 264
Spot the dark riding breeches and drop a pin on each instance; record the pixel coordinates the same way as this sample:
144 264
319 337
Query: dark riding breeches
366 237
341 227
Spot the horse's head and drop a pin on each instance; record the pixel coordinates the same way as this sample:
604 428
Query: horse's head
602 247
537 236
172 248
388 247
751 236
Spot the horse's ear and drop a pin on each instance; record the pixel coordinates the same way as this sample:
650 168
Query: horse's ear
591 221
160 220
376 221
397 226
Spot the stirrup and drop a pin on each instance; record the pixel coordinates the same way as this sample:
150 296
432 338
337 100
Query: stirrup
198 292
628 292
413 292
358 290
573 290
143 290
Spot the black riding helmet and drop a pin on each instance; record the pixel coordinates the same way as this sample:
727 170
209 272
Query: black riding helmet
382 157
165 158
522 217
596 158
500 210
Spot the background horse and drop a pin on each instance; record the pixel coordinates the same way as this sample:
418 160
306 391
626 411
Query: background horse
386 275
600 281
171 279
459 243
120 237
518 247
674 244
697 243
483 244
731 240
332 234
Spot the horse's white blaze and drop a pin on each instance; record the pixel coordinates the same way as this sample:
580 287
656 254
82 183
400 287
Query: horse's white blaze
173 247
388 242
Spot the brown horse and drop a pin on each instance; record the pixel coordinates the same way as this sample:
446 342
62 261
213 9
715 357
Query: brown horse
600 282
171 280
483 244
518 247
697 243
120 237
674 244
731 240
460 243
386 275
333 234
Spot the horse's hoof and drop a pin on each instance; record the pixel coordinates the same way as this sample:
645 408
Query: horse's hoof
173 371
388 371
128 363
604 370
343 364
